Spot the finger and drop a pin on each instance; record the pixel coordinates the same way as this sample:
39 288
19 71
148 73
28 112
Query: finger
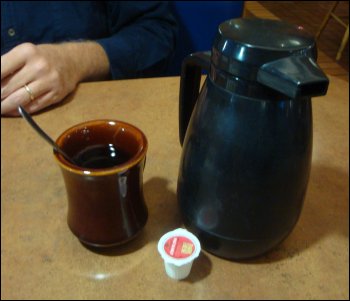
22 97
16 81
42 102
15 59
12 113
34 106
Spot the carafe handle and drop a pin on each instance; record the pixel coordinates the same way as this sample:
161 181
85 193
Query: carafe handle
191 72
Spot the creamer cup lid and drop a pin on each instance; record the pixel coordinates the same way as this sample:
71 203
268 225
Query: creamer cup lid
179 247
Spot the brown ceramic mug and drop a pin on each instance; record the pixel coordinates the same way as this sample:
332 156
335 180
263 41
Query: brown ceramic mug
106 205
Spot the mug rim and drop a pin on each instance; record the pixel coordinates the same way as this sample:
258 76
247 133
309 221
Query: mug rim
134 160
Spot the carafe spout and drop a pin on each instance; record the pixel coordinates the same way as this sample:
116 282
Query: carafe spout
295 76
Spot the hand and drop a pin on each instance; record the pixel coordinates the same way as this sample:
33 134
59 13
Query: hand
42 69
50 71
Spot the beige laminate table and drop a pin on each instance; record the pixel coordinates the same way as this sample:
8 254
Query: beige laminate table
41 259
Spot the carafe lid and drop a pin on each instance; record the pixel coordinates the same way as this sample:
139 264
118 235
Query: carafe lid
243 45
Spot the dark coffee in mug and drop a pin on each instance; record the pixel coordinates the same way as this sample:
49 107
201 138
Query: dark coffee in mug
101 156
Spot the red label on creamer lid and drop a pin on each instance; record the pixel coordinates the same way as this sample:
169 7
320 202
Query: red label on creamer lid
179 247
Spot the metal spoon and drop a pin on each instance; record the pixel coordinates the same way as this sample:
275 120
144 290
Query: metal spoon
34 125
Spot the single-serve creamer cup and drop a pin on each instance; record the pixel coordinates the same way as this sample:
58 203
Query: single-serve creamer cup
178 249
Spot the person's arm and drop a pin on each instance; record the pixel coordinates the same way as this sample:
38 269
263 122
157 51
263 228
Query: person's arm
143 38
138 42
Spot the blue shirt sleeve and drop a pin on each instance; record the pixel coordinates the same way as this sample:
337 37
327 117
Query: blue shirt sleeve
142 40
138 37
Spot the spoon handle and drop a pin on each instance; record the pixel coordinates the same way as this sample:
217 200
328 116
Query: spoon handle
30 120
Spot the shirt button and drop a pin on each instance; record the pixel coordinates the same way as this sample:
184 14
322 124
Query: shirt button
11 32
